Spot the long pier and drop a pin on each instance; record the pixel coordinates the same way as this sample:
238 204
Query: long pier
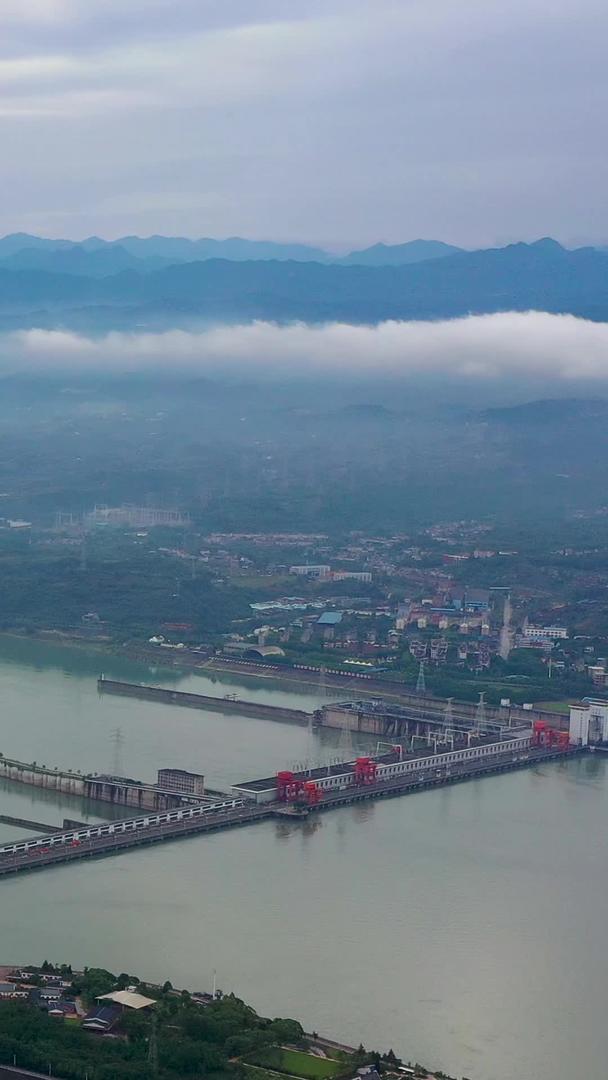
118 836
25 823
410 714
230 704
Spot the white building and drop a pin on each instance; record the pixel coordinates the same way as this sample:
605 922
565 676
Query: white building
548 633
589 722
311 570
354 575
597 674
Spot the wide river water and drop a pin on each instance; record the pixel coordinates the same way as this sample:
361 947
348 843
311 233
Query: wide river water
465 927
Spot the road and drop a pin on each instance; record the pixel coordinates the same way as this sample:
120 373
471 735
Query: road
115 842
7 1071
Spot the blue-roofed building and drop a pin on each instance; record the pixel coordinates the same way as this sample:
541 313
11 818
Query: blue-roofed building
65 1009
101 1019
330 618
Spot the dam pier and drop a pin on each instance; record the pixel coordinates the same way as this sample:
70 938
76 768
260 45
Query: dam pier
257 710
296 795
426 744
409 714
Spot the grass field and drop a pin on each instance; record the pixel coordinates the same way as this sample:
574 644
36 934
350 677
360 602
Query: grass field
297 1063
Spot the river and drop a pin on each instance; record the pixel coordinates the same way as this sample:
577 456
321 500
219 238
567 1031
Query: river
465 927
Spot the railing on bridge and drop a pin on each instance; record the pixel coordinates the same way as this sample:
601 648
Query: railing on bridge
76 837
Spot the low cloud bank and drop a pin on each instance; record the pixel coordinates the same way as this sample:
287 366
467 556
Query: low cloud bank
518 345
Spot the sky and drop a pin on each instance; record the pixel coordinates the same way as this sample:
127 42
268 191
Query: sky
333 122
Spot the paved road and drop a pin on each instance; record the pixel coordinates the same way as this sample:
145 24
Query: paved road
110 845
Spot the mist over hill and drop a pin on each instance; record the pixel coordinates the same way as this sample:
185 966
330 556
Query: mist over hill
247 456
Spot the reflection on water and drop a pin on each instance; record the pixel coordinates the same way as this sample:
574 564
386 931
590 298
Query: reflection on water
305 828
28 801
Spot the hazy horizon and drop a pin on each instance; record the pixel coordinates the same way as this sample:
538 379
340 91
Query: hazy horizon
344 248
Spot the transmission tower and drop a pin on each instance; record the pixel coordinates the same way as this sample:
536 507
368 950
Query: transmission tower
310 742
345 744
480 715
421 681
448 713
118 741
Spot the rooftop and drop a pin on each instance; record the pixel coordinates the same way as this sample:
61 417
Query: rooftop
128 999
344 768
330 618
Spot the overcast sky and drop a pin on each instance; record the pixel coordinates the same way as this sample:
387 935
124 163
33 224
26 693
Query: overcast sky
337 122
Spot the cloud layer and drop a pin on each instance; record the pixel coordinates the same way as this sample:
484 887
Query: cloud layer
511 345
340 121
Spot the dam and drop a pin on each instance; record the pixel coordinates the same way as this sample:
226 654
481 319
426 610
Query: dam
228 704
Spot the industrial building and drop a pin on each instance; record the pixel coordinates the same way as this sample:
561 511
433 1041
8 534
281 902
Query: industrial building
545 633
415 713
589 723
187 783
313 783
247 650
311 570
138 517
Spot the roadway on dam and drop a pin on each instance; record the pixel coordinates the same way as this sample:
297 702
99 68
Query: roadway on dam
115 837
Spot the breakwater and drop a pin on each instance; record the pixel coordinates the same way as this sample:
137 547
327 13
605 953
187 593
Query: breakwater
25 823
229 704
111 789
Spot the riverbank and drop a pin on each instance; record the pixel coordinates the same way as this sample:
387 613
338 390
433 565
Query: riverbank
51 1016
173 662
177 662
465 937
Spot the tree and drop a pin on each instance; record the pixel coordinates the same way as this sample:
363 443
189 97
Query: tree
286 1031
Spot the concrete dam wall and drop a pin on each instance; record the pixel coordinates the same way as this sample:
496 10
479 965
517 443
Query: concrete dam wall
255 709
111 789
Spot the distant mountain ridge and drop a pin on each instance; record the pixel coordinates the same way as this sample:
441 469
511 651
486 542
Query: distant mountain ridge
82 260
171 249
96 257
549 411
542 276
400 254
